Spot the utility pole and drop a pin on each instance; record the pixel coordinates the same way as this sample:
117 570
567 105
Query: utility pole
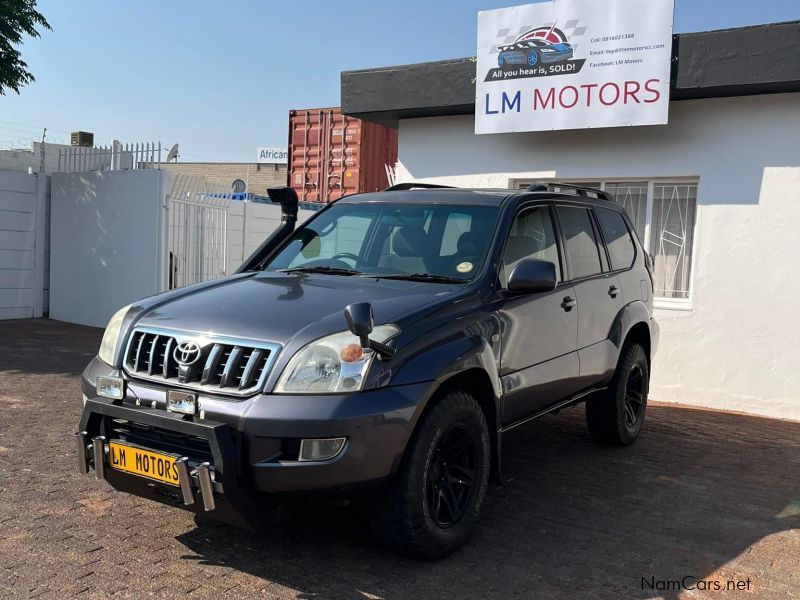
41 153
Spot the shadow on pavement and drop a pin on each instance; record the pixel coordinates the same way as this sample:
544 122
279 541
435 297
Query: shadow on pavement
575 520
47 347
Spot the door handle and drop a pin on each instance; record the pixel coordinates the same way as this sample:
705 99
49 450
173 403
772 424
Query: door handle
568 303
613 291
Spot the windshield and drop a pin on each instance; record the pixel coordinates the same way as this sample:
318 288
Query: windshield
447 241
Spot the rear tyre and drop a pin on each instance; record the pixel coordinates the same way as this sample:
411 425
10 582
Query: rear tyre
429 508
615 417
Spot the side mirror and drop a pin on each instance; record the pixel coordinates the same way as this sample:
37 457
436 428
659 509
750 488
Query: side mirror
531 276
360 321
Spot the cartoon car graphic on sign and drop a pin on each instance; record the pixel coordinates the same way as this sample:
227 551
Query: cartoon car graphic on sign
543 45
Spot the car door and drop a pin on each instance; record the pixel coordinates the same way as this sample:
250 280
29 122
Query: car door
597 291
539 363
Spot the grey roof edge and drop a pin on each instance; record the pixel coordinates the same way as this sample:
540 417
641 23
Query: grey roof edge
757 59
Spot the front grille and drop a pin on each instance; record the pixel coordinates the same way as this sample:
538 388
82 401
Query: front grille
224 365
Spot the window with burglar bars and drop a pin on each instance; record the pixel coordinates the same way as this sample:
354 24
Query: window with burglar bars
663 215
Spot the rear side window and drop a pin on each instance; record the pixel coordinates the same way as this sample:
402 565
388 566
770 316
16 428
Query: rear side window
618 238
583 257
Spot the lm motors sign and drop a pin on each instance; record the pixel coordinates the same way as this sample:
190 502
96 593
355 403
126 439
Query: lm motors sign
572 64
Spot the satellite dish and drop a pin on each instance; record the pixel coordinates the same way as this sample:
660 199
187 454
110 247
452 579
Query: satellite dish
173 154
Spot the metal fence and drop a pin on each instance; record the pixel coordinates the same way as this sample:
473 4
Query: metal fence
116 157
198 231
197 242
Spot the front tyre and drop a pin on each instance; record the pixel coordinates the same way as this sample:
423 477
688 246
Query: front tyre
429 508
615 417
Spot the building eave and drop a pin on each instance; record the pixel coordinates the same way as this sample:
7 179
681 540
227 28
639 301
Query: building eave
759 59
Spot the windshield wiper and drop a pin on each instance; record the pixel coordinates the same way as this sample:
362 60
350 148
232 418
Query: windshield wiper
321 269
430 277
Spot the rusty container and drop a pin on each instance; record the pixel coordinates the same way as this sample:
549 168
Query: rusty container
332 155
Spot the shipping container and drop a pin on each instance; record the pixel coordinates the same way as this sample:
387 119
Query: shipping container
332 155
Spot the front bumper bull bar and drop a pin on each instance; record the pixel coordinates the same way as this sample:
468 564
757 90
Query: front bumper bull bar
208 486
98 449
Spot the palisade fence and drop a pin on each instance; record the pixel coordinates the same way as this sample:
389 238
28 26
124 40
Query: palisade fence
116 157
198 231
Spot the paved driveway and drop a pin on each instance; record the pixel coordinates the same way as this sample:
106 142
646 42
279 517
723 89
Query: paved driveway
709 495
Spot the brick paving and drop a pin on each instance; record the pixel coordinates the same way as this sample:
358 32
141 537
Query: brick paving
706 494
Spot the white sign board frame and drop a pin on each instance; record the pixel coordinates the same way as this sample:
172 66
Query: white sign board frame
573 64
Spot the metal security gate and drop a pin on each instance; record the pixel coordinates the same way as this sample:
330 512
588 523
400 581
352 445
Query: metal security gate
197 240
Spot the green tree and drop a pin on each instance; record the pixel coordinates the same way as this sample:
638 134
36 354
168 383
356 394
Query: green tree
17 17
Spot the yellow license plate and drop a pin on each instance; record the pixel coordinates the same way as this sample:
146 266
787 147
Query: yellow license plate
145 463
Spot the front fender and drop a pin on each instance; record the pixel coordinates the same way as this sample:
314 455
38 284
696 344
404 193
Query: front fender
442 363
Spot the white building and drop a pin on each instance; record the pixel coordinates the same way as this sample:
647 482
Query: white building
714 195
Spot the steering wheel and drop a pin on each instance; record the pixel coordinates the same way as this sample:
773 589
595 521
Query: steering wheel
356 259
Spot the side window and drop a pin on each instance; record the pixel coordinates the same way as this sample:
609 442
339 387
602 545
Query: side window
532 236
618 238
583 257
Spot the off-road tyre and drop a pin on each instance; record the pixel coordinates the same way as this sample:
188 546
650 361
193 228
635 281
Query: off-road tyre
615 417
409 515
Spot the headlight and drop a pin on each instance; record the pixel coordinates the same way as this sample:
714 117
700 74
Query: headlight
111 335
335 363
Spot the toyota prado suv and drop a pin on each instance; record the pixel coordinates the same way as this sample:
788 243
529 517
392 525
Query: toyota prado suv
381 350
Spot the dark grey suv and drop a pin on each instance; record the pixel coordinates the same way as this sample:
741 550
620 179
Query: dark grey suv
382 350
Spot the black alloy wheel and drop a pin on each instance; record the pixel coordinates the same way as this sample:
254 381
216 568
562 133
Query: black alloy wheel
451 476
634 396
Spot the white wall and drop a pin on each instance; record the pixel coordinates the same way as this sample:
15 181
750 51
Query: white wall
24 160
22 235
738 345
249 224
108 241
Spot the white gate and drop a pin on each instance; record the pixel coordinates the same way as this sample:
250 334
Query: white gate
108 242
198 237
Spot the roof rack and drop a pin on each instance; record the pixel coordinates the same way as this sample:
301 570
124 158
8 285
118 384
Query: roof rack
415 186
580 190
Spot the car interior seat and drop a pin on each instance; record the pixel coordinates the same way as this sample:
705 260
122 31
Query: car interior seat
410 246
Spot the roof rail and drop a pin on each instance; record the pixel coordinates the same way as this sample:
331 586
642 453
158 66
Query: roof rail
580 190
415 186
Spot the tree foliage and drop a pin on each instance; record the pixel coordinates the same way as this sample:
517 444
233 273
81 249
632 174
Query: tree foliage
17 18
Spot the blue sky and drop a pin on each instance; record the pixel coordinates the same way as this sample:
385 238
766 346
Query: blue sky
220 77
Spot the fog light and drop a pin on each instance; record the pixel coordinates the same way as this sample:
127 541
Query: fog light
110 387
323 449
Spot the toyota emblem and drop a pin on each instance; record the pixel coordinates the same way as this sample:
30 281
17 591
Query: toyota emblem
187 353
